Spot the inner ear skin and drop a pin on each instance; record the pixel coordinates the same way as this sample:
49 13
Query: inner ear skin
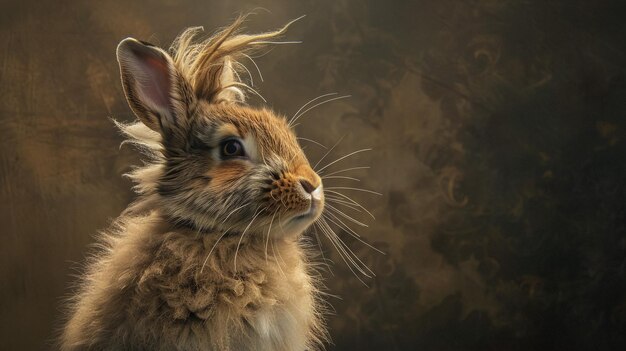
157 93
159 83
146 80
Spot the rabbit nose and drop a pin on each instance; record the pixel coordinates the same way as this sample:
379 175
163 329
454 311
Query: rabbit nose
308 187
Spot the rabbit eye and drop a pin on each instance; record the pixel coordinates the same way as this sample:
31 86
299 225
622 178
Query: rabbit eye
232 148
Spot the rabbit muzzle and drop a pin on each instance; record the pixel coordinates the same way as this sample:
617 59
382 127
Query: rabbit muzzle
300 193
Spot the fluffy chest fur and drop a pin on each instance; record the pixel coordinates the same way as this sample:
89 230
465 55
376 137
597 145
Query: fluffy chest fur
164 291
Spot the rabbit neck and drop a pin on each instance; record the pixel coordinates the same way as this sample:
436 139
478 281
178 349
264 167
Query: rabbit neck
187 225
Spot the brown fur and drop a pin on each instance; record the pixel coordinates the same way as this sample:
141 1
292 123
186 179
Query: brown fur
210 256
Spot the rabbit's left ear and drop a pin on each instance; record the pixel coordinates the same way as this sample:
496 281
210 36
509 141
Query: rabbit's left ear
155 90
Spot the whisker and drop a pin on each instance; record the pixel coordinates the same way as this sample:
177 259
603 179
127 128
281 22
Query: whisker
341 177
334 243
343 157
354 234
270 42
292 158
235 210
346 170
355 189
330 237
255 65
280 224
327 152
319 244
245 86
350 231
238 76
312 141
213 248
305 105
242 235
247 70
227 201
219 214
318 104
268 233
276 259
262 42
346 247
339 201
342 246
350 199
334 209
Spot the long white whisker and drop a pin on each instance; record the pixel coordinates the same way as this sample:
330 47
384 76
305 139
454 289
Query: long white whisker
341 158
213 248
245 86
282 229
238 76
292 158
346 247
247 70
339 201
227 201
336 210
255 65
334 243
350 231
318 104
327 152
319 244
305 105
268 233
350 199
312 141
276 258
341 177
342 245
347 228
262 42
235 210
242 235
346 170
355 189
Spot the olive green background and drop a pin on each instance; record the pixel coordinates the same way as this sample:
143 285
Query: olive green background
498 136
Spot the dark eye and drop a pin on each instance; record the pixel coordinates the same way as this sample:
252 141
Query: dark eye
232 148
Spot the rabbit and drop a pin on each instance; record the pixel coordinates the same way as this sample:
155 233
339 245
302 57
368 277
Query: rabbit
210 256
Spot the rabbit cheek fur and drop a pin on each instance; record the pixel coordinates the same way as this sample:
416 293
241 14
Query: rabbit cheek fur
210 256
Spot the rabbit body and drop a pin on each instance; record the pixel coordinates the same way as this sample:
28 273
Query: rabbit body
153 290
211 255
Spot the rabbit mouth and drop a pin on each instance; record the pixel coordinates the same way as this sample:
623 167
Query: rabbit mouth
312 212
302 216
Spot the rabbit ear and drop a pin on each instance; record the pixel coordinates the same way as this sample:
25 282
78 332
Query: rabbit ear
155 91
230 86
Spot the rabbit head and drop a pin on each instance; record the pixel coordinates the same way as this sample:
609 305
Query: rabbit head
217 164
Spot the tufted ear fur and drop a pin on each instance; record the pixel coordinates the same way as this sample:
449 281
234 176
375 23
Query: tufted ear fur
155 90
212 66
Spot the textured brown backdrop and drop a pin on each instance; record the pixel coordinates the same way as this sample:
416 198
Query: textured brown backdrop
498 136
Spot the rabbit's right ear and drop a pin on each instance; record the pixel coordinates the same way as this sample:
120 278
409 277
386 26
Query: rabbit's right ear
155 90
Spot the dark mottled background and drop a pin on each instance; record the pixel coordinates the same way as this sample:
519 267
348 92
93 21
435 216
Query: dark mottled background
498 136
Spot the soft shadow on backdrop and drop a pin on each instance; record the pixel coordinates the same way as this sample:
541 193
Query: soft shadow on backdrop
498 136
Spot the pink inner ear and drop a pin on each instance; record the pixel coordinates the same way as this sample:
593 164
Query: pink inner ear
154 80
